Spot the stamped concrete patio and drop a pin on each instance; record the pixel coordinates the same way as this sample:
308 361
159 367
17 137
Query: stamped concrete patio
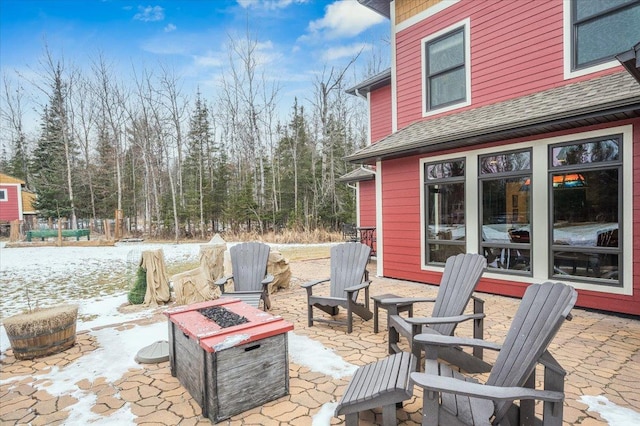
600 352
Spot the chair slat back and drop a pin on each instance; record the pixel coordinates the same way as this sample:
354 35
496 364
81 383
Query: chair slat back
459 279
348 264
543 309
249 264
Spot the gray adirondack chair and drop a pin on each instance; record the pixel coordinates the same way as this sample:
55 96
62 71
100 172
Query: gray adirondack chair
348 276
459 279
249 274
451 398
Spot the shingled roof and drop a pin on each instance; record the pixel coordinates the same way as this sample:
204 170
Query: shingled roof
599 100
357 175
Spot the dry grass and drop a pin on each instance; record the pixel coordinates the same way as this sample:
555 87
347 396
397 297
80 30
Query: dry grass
287 236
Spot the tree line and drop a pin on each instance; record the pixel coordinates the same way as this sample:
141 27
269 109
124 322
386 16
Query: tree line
179 164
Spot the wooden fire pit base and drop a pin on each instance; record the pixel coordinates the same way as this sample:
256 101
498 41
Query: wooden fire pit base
229 370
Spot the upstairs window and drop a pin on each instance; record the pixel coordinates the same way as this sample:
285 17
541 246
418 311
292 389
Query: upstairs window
3 195
601 29
446 69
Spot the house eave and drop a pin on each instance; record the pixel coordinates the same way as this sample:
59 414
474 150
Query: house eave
358 175
381 7
607 99
496 134
630 60
377 81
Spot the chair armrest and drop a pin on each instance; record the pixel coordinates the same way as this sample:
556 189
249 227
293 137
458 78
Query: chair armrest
312 283
439 340
405 300
442 320
222 281
360 286
549 362
267 279
431 382
477 299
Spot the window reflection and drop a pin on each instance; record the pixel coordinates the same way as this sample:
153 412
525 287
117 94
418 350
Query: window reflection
505 182
585 211
445 208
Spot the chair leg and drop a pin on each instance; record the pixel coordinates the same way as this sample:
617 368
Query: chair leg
394 337
351 419
310 315
349 318
389 417
266 300
430 410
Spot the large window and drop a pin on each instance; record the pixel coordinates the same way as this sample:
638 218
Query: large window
444 198
600 29
505 210
585 183
446 69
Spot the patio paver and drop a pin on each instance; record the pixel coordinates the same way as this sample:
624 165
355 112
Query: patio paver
601 353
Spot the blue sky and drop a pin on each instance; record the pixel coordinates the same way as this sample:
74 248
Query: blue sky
297 38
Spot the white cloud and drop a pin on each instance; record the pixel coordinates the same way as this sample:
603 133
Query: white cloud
149 14
269 4
345 18
339 52
207 61
170 28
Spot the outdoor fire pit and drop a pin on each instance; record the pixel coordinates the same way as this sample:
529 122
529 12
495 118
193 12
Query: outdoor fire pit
230 356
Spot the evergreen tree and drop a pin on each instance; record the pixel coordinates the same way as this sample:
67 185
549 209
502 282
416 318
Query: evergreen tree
194 178
53 157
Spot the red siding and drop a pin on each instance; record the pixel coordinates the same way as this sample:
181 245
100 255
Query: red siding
402 234
380 113
401 218
367 203
516 50
9 210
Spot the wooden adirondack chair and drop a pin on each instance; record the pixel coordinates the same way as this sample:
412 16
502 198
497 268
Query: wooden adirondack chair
348 276
249 274
450 398
459 279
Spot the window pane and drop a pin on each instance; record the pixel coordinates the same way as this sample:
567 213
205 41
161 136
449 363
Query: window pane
441 252
505 162
445 216
505 258
446 53
596 265
585 153
447 87
607 36
585 206
587 8
445 170
505 205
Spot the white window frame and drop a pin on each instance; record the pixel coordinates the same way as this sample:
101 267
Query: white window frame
6 195
466 29
540 211
568 48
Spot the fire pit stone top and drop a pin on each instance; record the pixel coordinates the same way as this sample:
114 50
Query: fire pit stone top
212 337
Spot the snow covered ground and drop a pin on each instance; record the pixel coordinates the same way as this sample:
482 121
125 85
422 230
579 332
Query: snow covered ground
97 279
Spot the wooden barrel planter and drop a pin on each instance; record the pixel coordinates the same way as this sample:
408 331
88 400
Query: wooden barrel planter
42 332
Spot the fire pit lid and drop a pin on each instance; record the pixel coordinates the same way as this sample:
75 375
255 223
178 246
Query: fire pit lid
211 337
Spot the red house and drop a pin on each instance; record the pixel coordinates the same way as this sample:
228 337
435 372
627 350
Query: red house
15 200
508 128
